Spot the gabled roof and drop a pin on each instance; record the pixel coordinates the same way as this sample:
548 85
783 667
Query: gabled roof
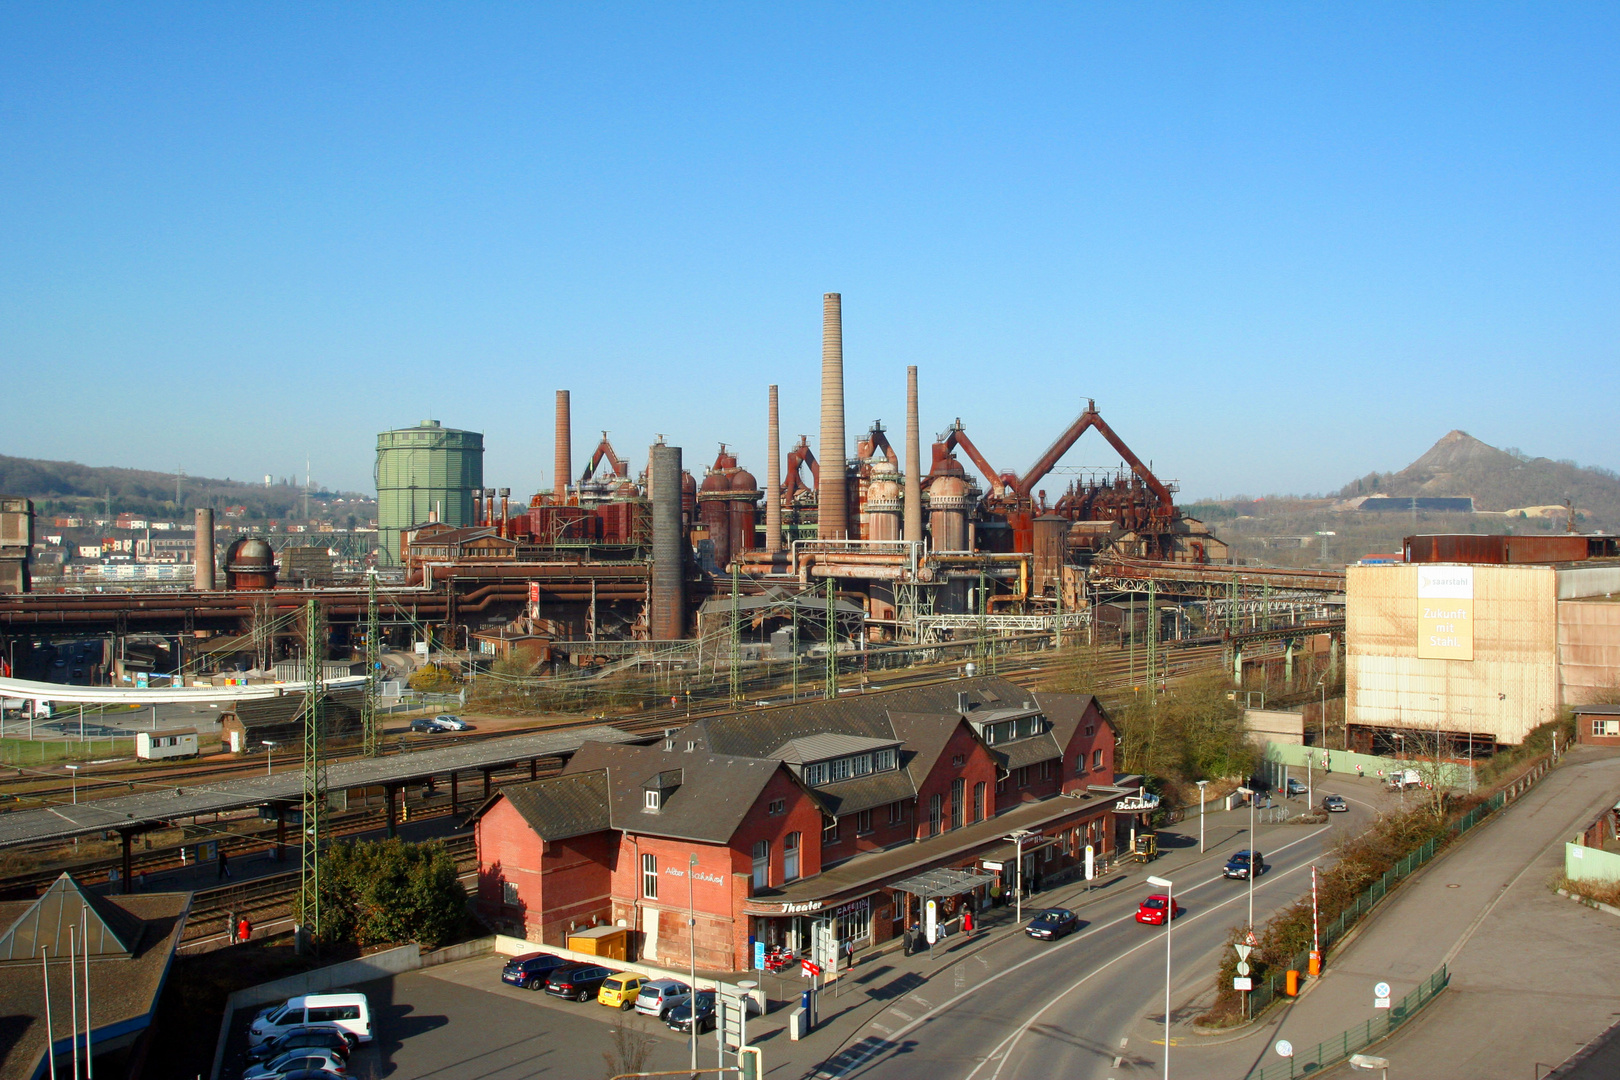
925 737
559 807
865 792
715 793
66 905
1028 751
1065 711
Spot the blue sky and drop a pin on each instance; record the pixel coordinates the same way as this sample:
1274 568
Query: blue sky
1279 245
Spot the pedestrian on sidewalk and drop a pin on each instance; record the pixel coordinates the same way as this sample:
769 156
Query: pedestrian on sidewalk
967 922
222 869
244 929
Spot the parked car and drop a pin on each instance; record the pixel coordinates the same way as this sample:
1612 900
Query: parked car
659 995
310 1074
679 1016
1334 804
531 970
1154 909
299 1061
1245 862
1292 787
309 1037
621 991
346 1011
452 723
1403 779
578 981
1053 923
425 726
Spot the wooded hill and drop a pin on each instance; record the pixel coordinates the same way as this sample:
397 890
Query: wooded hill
64 487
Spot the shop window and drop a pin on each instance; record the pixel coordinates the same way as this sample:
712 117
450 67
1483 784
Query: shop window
863 823
978 801
958 797
790 857
649 876
762 864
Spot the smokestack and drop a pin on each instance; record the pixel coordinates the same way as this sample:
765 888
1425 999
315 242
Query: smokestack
668 618
563 465
203 552
506 502
833 501
773 478
914 520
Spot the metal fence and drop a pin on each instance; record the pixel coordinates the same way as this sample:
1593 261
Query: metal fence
1267 992
1354 1040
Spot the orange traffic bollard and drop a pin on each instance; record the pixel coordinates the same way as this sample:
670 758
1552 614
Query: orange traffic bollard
1316 964
1291 983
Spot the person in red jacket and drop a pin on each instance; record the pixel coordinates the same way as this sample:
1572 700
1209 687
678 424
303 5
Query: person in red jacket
244 929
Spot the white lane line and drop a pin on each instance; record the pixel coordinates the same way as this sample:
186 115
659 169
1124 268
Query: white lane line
874 1025
898 1015
1045 953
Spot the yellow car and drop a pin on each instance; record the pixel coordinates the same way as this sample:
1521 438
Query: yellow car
620 991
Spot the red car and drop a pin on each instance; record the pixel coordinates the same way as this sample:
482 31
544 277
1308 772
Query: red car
1153 909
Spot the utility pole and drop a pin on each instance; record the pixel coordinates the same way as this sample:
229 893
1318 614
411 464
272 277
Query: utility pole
309 880
1153 641
984 623
832 642
373 665
796 601
736 649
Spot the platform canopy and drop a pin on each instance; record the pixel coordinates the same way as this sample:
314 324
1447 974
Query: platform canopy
943 882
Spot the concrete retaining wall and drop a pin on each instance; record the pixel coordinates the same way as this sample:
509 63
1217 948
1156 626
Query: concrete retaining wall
1583 863
1345 761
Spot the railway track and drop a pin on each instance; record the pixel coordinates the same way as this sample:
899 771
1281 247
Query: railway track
1113 672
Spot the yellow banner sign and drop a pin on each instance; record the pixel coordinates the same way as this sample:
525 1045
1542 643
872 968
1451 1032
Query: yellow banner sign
1445 611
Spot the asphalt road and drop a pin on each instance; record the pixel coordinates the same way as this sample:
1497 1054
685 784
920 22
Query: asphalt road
1092 1005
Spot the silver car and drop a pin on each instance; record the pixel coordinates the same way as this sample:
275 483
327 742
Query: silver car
660 996
297 1061
451 723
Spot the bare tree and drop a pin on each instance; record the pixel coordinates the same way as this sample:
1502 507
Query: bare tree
628 1049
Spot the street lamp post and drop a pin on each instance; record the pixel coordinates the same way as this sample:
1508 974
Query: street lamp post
268 746
691 940
1202 784
1017 838
74 771
1169 920
1249 792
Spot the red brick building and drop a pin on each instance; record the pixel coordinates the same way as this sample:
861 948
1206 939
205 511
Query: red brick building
767 822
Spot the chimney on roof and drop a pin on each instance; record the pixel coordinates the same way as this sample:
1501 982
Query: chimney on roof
963 705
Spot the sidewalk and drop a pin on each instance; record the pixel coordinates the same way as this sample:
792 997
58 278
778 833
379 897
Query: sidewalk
1479 908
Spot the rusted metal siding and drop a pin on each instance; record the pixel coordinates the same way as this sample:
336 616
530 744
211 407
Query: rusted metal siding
1472 548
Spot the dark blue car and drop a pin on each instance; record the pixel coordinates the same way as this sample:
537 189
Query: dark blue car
531 970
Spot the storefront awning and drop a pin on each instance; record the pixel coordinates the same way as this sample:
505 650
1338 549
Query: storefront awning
937 884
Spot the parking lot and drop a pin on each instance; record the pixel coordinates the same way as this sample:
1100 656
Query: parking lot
460 1022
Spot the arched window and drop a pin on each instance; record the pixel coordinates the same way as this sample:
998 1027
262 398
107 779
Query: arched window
762 864
790 857
978 801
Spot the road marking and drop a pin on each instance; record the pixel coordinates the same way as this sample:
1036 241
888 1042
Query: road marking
898 1015
1074 939
879 1027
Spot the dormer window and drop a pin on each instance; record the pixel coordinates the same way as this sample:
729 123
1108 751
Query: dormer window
653 797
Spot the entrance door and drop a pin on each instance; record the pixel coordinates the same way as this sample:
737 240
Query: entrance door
649 933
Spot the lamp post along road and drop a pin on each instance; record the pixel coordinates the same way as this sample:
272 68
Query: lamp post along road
1202 784
691 941
268 746
74 771
1169 920
1018 836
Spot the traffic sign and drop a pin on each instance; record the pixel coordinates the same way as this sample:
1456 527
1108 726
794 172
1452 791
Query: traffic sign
1243 967
1241 983
1381 989
1251 941
1285 1048
1243 951
810 968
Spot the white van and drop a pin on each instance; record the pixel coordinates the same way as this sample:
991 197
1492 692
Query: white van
346 1012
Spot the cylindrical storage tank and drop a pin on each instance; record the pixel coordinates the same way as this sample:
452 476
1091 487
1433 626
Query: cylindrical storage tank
667 619
744 507
203 552
419 468
716 518
947 513
883 507
1051 540
250 564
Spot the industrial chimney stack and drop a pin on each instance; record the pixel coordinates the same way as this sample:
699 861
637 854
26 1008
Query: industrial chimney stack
563 466
773 478
914 520
667 619
832 504
203 552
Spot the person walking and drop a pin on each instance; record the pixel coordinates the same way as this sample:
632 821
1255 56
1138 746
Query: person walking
222 868
967 922
244 929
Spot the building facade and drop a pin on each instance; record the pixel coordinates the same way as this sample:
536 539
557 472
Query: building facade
764 826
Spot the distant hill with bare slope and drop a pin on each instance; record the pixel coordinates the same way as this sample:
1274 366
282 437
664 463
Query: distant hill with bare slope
1500 480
